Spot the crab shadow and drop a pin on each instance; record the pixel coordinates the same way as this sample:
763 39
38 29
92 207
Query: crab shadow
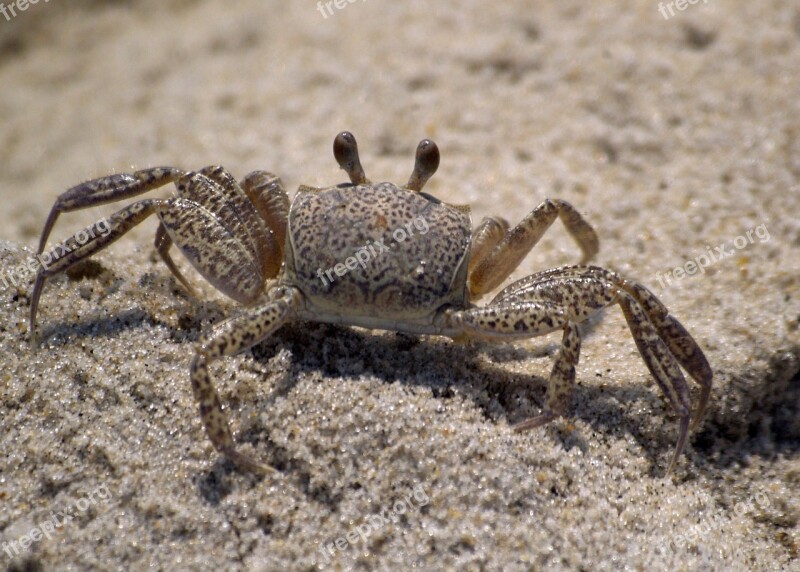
757 416
57 333
480 372
770 423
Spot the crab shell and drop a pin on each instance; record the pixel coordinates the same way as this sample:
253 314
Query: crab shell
376 254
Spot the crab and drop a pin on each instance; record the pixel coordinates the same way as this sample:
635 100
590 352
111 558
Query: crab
420 270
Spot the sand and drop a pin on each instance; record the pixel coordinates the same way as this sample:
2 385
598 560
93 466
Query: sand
677 138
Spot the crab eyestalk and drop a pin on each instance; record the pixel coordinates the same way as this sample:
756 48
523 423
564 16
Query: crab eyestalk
345 150
425 164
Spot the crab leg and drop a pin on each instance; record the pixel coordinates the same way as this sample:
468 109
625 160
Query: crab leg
498 264
107 190
564 297
73 250
214 221
266 192
163 243
484 238
217 192
562 380
680 343
229 338
662 366
114 188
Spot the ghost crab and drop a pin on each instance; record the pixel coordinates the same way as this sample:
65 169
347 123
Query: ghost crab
252 245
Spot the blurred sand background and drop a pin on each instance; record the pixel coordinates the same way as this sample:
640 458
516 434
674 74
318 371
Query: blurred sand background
671 135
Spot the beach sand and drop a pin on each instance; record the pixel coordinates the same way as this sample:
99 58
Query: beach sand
675 137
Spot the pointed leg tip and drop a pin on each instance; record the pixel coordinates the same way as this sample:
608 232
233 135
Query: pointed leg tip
248 465
670 469
33 334
701 408
191 292
533 422
682 438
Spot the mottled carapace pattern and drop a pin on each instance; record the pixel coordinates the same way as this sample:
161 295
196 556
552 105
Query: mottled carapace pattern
414 250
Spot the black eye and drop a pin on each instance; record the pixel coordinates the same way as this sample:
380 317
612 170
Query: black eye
426 162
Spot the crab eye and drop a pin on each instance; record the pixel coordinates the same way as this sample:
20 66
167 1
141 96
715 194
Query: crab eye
345 150
425 164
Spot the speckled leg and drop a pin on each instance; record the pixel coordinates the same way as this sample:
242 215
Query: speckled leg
163 243
662 366
228 338
107 190
563 297
213 221
538 305
681 344
219 231
266 192
213 187
485 237
511 321
74 250
562 380
518 242
214 225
